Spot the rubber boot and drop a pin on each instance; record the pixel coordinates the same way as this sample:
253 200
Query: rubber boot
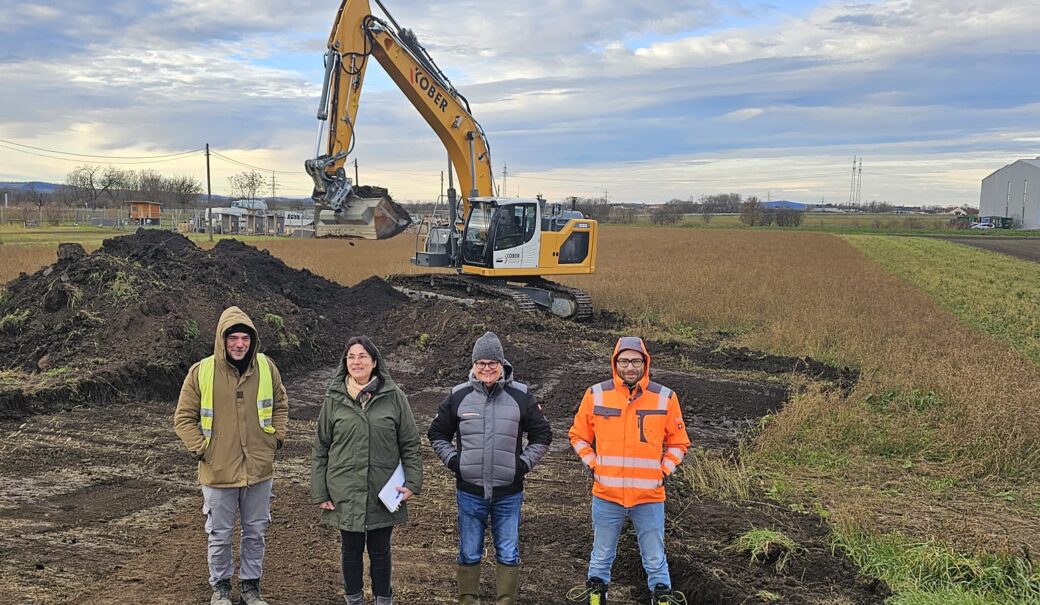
355 599
507 583
385 600
468 577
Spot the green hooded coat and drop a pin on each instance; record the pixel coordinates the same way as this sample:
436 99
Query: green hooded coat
357 449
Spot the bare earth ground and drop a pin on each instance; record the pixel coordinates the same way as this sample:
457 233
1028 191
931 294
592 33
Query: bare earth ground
100 505
1027 248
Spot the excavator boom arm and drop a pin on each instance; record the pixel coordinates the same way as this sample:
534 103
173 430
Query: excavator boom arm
357 35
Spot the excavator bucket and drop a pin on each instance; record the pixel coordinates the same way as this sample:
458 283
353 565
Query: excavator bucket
368 213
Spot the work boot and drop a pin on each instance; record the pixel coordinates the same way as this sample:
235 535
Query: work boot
468 577
507 583
355 599
221 593
251 593
664 595
385 600
594 592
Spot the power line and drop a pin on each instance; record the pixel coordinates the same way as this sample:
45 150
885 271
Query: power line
114 157
247 165
80 159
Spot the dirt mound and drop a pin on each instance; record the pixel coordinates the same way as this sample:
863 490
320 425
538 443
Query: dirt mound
130 318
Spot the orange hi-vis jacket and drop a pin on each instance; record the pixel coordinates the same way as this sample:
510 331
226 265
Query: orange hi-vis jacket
631 438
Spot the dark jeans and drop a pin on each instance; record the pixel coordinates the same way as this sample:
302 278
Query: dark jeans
352 545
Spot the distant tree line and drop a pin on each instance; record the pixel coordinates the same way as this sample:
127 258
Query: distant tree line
100 187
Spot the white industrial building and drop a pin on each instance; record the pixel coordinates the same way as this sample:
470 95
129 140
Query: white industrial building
1013 191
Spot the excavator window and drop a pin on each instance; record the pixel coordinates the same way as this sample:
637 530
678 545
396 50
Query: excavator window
475 250
515 225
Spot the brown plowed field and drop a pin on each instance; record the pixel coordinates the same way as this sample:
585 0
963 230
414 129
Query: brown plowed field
100 503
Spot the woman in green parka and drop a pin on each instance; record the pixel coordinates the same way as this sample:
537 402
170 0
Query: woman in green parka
365 429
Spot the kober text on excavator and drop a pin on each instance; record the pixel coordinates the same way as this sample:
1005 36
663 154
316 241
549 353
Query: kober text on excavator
499 246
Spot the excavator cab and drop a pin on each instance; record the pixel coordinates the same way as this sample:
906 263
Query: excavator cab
502 234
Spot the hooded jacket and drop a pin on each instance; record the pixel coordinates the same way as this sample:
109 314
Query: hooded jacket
356 449
630 438
488 426
240 453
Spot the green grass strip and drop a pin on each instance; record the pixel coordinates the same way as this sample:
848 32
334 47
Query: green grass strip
932 573
996 293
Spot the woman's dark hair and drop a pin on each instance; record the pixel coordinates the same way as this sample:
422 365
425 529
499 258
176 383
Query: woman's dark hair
366 343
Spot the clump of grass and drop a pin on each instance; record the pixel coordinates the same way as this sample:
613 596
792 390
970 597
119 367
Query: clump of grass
721 477
286 338
762 545
190 329
14 321
422 341
124 287
925 572
767 596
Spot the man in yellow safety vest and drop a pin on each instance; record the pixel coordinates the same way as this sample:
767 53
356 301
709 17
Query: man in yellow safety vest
231 415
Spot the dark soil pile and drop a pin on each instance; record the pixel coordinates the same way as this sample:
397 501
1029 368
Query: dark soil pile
130 318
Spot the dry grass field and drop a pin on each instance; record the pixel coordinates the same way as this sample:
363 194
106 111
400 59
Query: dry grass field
939 439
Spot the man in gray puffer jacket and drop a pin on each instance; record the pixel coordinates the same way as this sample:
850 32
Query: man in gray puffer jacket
487 417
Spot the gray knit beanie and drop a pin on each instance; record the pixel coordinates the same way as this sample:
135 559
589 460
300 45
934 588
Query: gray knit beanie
488 347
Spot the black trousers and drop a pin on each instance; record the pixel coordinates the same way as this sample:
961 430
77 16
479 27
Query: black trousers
352 547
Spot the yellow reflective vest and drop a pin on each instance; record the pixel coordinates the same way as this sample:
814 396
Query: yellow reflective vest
264 396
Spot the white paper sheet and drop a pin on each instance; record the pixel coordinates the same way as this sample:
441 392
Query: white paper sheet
389 495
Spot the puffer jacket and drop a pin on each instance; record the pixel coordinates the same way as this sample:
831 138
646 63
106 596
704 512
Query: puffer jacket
240 453
631 438
487 426
357 449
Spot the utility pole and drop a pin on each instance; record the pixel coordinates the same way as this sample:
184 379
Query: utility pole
274 190
357 179
859 183
505 176
209 198
852 184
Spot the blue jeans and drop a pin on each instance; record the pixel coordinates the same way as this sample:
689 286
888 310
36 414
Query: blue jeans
505 527
648 521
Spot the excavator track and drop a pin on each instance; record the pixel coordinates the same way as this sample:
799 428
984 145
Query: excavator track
457 287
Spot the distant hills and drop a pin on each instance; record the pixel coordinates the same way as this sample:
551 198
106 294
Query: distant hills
25 186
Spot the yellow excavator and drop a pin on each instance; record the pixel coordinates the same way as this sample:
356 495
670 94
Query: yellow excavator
498 246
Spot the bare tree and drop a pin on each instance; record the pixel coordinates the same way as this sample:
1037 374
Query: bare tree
85 181
184 190
751 212
247 185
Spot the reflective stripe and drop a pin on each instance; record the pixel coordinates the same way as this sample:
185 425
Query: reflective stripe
264 396
670 465
678 453
589 457
602 410
627 482
629 461
662 399
597 395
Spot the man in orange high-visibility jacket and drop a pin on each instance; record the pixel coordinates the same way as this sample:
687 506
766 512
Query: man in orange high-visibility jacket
629 432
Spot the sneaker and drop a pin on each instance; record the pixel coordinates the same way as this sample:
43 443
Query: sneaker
221 593
251 593
663 595
594 592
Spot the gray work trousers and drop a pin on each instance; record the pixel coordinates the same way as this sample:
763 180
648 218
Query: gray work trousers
222 505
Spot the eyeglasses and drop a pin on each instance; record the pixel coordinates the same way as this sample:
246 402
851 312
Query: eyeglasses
624 363
486 365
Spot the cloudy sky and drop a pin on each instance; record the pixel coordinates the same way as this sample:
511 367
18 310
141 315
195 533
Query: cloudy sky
644 101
